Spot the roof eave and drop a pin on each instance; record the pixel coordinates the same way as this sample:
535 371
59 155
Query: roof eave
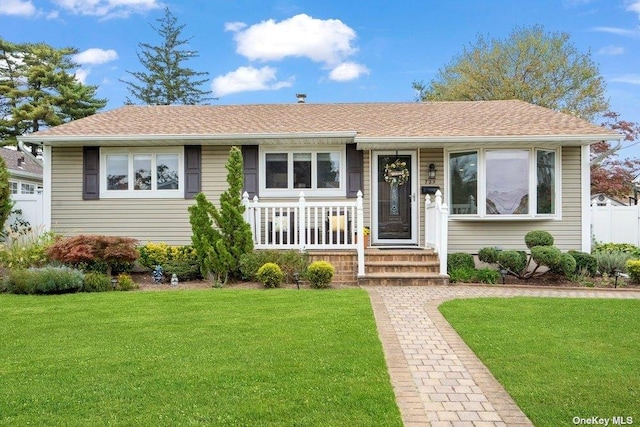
220 138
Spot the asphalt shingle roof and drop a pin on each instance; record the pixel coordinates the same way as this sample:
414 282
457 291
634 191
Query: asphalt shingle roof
425 119
11 160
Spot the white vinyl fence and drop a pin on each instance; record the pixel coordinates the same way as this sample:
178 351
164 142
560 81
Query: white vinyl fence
615 224
32 207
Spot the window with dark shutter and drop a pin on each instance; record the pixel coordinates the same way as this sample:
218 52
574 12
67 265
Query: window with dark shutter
250 162
192 170
355 164
91 173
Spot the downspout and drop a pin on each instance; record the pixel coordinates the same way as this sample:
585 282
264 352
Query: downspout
27 152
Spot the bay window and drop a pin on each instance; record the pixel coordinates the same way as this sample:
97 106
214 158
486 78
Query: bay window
317 171
139 172
501 183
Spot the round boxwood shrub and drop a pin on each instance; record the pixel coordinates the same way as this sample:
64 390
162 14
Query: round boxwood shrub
320 274
512 260
489 255
546 255
538 238
567 264
585 263
460 260
270 275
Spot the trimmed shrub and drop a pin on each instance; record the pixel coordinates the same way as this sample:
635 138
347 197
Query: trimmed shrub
489 255
45 280
515 261
546 255
183 269
460 260
126 283
270 275
96 282
290 261
609 262
538 238
633 268
567 264
320 274
585 263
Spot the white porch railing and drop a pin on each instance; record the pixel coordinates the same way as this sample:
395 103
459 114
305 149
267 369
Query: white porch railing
436 228
305 225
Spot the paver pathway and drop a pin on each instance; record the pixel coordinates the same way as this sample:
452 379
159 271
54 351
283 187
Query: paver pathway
437 379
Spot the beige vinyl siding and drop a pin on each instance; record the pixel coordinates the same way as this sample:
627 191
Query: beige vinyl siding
470 236
157 220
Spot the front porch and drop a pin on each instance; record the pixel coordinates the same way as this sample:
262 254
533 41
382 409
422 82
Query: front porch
333 231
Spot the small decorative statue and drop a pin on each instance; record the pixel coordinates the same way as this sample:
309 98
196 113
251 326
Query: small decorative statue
158 274
174 280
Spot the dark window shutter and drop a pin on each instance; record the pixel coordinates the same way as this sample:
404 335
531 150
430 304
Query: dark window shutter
192 171
91 173
250 163
355 164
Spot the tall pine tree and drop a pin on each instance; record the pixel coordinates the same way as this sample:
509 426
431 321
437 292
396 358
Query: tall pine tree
38 89
167 81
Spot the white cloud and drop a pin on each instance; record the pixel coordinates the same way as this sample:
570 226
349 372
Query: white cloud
611 50
247 79
17 8
234 26
348 71
108 8
326 41
618 31
81 75
633 79
95 56
634 6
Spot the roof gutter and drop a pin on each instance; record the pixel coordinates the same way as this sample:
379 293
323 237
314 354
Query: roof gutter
45 139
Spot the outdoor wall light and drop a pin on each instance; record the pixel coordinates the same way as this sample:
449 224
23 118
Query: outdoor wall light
432 171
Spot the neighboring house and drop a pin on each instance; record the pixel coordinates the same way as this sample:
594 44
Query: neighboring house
503 167
25 174
25 183
601 199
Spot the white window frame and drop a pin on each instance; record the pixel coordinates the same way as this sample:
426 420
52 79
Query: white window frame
14 185
28 185
290 191
140 194
533 183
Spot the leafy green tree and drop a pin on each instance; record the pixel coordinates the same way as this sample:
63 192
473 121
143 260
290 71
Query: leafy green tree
541 68
167 81
6 205
219 248
38 89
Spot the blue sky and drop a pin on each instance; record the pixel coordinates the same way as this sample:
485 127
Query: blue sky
334 51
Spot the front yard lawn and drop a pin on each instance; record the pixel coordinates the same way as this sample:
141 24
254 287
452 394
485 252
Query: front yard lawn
208 357
560 359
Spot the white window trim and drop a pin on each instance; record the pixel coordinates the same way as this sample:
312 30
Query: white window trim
481 200
308 192
140 194
17 184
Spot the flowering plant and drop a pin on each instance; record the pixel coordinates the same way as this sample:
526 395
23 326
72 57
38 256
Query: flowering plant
396 172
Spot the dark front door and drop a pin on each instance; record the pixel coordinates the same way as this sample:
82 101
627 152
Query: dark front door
395 194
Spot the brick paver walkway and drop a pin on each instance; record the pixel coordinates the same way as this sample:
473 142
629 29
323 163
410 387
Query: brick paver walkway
437 379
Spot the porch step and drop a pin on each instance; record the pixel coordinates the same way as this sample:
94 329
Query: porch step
402 267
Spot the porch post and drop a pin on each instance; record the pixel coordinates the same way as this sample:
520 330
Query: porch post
427 202
360 228
444 236
302 222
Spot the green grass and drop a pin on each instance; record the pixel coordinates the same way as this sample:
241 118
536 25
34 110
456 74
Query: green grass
558 358
209 357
